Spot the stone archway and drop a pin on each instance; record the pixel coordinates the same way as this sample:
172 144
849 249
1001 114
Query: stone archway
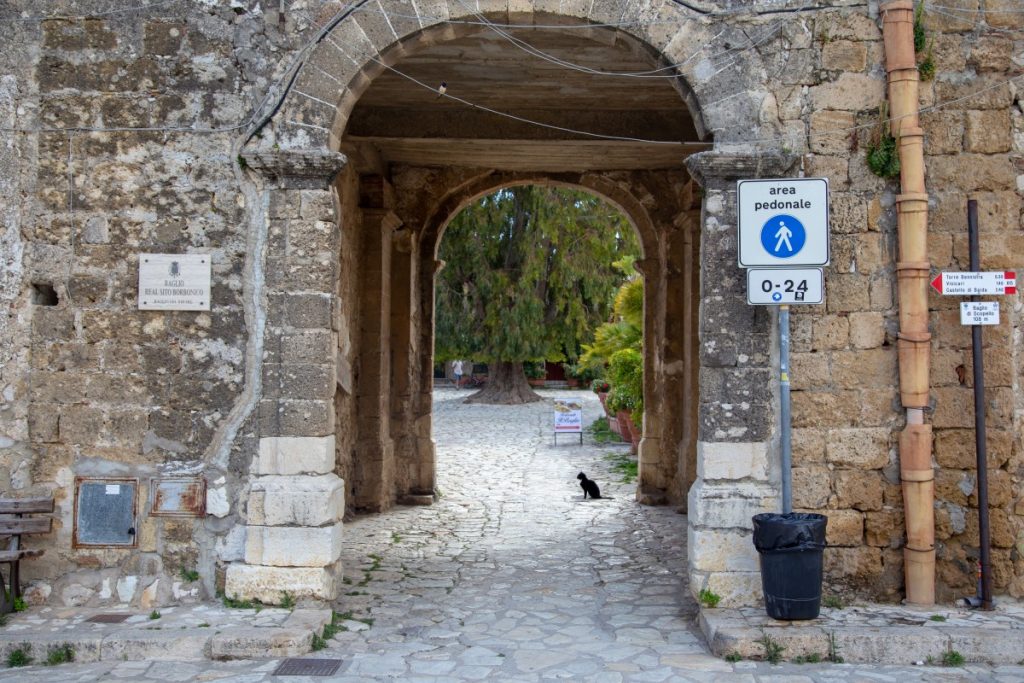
668 239
348 343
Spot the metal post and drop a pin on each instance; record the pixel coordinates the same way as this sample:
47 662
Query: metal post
979 420
787 485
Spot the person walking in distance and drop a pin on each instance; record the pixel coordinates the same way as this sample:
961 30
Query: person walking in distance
457 371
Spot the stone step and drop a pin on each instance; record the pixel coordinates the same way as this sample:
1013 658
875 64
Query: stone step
178 638
878 634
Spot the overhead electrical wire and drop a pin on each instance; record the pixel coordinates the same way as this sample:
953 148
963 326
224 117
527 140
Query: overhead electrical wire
324 34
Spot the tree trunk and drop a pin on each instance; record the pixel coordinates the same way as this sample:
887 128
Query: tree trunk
506 385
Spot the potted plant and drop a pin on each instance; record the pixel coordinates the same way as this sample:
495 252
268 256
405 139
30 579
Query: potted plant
626 399
601 388
534 373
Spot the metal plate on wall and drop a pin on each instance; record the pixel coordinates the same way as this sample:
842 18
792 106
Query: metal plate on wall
178 497
105 511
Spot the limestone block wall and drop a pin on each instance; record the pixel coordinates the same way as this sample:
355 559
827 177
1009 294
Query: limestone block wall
845 402
120 135
123 133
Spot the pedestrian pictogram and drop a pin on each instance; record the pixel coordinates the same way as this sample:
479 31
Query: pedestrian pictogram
783 236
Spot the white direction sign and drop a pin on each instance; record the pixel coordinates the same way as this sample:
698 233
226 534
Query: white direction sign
783 222
975 283
979 313
785 286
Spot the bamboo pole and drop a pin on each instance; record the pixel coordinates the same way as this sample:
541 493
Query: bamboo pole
912 271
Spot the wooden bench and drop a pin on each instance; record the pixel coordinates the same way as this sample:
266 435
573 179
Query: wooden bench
14 524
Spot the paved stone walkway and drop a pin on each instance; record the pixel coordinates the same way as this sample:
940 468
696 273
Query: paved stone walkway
511 576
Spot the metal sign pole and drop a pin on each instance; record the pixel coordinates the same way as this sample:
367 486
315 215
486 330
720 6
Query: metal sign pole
787 484
979 420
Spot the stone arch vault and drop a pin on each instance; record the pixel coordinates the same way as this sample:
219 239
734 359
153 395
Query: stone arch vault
357 177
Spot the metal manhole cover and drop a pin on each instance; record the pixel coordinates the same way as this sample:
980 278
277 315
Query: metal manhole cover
107 619
307 667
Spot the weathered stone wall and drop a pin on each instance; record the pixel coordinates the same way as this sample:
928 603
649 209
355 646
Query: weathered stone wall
127 127
846 407
92 387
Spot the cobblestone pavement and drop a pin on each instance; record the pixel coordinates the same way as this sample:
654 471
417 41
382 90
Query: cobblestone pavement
511 576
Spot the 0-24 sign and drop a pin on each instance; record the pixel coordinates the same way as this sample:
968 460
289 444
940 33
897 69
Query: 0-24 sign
785 286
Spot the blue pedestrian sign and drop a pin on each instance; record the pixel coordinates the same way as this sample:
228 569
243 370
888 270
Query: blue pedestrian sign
782 222
783 236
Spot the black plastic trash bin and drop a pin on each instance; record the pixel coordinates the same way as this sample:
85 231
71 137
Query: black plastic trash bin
791 547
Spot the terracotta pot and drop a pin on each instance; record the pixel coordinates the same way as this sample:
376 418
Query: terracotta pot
625 421
536 382
636 433
613 425
572 382
602 396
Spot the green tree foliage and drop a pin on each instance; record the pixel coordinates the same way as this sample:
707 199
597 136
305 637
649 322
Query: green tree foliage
528 274
626 372
626 329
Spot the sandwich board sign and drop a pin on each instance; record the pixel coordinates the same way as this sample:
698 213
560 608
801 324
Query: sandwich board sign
568 417
783 222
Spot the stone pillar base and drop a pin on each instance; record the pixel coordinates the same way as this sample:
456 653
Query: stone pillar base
722 557
269 584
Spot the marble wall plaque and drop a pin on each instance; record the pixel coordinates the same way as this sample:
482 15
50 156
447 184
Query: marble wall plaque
174 282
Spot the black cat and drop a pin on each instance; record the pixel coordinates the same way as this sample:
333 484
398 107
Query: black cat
589 486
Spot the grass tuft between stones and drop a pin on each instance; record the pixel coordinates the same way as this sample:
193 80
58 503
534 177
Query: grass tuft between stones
772 648
60 654
20 656
709 598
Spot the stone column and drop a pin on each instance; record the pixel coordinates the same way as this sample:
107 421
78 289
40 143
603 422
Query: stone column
374 465
656 466
679 362
295 501
737 471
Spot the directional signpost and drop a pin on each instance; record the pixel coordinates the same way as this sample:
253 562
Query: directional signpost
783 239
979 313
976 283
971 284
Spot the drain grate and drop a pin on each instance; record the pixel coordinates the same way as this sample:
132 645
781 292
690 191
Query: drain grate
307 667
107 619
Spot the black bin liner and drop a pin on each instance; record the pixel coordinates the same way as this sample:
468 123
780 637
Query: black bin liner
791 549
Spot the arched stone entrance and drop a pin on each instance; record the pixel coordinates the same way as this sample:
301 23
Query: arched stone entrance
351 243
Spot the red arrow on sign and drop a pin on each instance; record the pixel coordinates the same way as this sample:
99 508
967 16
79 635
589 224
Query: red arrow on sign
937 283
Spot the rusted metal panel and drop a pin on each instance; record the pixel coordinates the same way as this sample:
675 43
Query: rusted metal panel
107 619
106 510
17 506
178 497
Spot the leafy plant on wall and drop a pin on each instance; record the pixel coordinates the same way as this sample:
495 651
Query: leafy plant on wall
923 46
882 149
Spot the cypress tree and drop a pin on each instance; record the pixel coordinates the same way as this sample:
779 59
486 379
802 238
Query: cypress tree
528 276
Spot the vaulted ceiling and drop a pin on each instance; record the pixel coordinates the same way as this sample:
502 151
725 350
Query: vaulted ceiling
550 86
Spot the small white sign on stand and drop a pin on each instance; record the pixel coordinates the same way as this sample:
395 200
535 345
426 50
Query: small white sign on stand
174 282
979 313
568 417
